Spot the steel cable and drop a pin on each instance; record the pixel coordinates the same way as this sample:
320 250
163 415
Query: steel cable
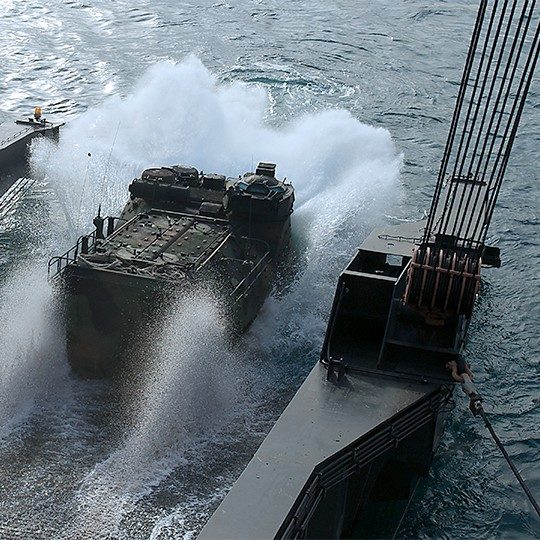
484 124
480 411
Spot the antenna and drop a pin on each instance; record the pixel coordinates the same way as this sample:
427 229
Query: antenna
98 223
110 153
89 155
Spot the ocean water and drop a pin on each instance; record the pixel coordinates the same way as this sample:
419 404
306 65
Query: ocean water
352 100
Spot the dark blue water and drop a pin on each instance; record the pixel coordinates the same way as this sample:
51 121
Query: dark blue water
353 100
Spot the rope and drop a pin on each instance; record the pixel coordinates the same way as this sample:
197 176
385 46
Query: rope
475 405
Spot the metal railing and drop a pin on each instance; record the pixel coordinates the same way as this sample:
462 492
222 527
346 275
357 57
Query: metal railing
57 264
399 238
84 244
14 136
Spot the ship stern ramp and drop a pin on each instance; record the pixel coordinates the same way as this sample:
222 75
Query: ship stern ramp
359 430
322 460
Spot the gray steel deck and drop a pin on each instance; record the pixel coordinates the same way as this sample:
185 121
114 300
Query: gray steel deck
322 419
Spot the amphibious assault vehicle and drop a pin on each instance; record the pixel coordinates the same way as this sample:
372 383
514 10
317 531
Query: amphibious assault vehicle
180 228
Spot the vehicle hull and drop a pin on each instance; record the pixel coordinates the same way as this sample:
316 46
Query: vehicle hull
111 316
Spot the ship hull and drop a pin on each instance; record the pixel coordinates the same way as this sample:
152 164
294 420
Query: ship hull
341 461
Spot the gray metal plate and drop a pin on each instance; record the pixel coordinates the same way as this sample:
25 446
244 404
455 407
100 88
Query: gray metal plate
321 420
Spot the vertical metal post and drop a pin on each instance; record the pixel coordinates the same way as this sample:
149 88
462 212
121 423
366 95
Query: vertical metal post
110 225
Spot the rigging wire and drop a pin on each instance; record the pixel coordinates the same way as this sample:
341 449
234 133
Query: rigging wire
89 155
402 519
478 410
455 119
490 132
498 72
475 405
522 483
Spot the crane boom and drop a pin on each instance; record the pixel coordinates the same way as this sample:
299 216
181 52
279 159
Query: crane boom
503 52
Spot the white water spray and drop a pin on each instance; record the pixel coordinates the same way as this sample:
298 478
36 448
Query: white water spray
180 114
345 174
187 396
32 363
